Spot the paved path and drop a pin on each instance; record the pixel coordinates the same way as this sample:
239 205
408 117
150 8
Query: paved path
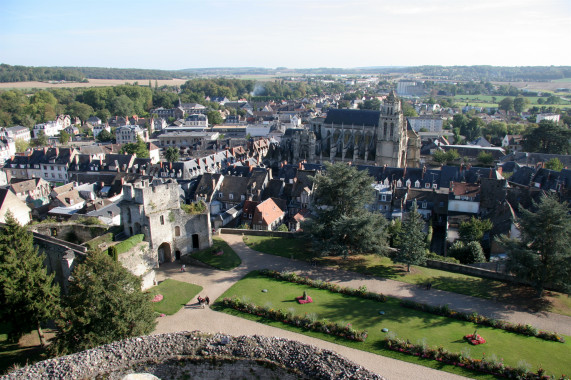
215 282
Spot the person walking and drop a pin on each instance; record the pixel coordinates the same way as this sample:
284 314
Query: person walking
207 301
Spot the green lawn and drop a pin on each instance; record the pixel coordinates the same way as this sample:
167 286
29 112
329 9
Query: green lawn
228 260
384 267
176 294
27 350
406 323
291 248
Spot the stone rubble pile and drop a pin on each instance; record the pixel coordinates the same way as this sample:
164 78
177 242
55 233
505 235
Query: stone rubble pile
122 357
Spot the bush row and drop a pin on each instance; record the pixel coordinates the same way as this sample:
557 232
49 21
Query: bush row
518 328
292 277
332 328
493 367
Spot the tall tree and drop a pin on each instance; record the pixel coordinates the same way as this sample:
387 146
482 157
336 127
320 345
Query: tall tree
139 148
343 226
554 164
104 304
543 254
172 154
64 137
27 293
506 104
412 247
548 137
474 229
214 117
519 104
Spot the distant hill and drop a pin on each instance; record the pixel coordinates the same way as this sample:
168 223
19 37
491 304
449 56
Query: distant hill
79 74
461 73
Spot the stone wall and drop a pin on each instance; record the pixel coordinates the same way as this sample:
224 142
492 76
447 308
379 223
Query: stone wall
471 271
140 261
63 231
179 350
236 231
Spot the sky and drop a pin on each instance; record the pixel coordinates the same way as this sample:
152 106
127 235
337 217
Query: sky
178 34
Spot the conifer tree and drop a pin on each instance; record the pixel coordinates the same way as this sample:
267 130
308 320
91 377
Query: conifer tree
343 225
543 254
104 304
412 248
27 293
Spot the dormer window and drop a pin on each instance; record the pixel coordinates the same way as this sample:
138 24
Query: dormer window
231 196
417 183
424 204
220 195
427 185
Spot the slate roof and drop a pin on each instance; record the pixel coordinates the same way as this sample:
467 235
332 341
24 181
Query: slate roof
24 186
355 117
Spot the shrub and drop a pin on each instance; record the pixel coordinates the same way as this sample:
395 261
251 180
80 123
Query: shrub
492 366
194 208
437 257
309 322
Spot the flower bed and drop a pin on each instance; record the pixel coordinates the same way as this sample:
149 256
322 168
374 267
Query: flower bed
157 298
444 310
493 367
324 326
292 277
475 340
302 301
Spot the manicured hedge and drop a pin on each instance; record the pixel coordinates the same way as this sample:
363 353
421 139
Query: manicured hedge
518 328
332 328
292 277
493 367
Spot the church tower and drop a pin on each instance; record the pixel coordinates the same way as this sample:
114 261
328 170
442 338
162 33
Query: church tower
391 133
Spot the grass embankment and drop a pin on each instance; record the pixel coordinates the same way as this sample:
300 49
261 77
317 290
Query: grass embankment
227 261
384 267
410 324
26 351
176 294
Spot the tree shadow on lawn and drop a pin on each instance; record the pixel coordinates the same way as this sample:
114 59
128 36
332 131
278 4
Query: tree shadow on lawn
366 312
360 264
514 295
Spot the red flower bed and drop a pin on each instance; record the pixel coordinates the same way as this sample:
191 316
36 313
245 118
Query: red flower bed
302 301
158 298
475 340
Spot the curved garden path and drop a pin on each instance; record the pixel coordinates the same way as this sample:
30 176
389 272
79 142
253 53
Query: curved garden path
216 282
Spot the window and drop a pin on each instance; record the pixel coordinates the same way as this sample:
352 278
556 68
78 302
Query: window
220 195
427 185
249 216
424 204
51 168
242 197
383 198
231 196
162 220
435 186
177 231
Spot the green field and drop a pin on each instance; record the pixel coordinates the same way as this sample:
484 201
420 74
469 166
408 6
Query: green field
416 326
384 267
487 101
228 260
176 294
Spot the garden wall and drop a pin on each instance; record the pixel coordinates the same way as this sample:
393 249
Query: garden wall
471 271
236 231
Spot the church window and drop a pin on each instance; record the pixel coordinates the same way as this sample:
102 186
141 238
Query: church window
162 218
385 134
392 127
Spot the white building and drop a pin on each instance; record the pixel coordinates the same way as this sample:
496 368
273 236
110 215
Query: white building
185 139
17 133
430 123
7 150
98 128
51 128
554 117
128 134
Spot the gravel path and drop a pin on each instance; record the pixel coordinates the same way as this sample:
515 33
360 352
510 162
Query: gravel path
216 282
